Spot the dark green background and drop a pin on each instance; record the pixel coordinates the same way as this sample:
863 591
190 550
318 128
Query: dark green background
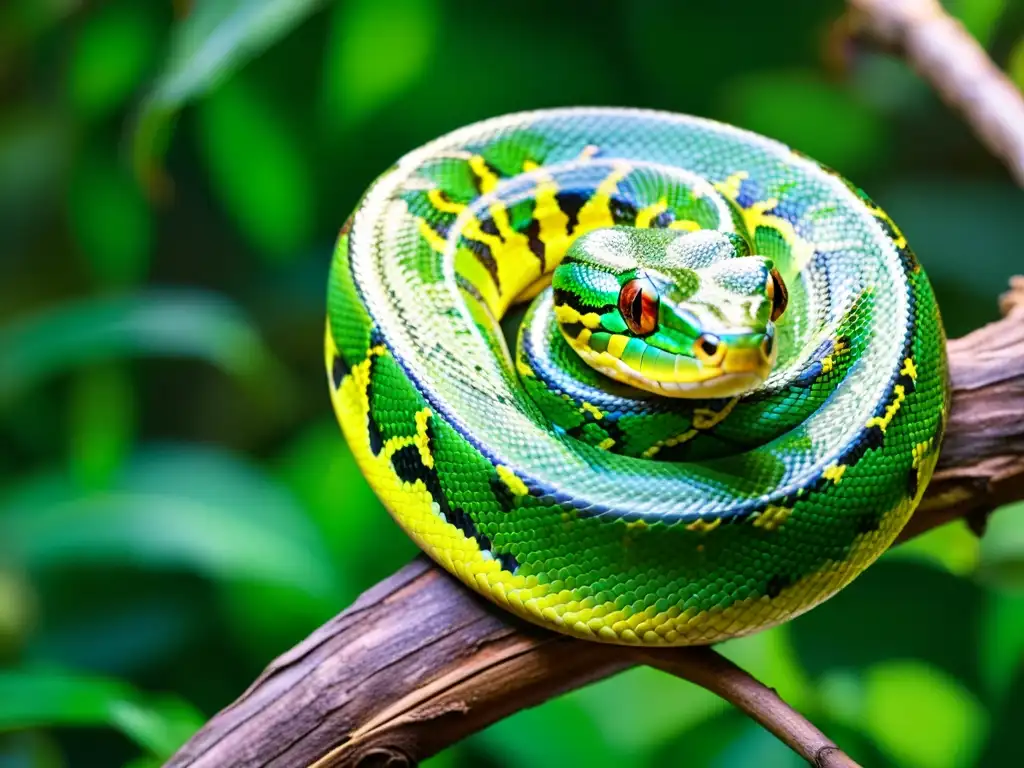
177 505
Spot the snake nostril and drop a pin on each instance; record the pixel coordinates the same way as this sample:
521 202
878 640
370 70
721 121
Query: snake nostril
768 345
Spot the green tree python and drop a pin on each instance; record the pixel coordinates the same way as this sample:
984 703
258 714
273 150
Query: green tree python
725 400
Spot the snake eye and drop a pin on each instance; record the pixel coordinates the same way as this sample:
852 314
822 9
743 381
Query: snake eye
777 293
638 304
709 349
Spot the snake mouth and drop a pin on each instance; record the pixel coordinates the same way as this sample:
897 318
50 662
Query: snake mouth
740 371
736 369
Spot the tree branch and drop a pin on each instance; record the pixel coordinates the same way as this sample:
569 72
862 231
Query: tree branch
939 48
420 662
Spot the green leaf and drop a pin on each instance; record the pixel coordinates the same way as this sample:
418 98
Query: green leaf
979 17
258 169
177 323
213 40
101 423
1015 64
633 729
44 698
892 612
172 507
98 81
34 148
110 221
1004 745
1002 646
771 658
357 78
561 733
793 106
1001 560
922 717
17 612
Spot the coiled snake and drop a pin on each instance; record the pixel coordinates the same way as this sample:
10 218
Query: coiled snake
726 398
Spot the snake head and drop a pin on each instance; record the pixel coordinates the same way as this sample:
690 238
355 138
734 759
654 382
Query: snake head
682 314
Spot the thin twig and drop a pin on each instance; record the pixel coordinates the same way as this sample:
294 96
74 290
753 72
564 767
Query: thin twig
712 671
939 48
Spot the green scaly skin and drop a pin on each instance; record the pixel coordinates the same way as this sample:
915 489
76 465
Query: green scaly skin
590 505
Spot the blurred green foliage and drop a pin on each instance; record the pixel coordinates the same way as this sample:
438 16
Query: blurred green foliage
177 505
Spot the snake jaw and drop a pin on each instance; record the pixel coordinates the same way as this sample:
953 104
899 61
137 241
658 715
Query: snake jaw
741 365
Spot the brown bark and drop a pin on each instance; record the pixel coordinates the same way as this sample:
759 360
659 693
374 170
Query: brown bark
419 662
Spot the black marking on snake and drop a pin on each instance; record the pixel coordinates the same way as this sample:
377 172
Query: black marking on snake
663 219
566 298
489 227
483 254
339 370
776 584
535 244
570 203
816 363
912 482
408 465
623 211
461 520
574 329
870 438
867 522
376 439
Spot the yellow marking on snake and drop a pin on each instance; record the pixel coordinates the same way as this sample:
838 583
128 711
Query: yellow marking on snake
771 518
447 542
488 179
442 203
649 213
829 361
567 313
899 395
756 215
883 421
597 212
428 233
593 410
510 479
671 442
552 221
909 369
702 525
706 418
685 225
421 440
834 472
469 266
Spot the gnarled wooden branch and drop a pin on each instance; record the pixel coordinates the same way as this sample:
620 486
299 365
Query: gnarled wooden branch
419 662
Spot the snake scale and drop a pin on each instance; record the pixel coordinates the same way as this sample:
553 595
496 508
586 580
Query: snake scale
726 397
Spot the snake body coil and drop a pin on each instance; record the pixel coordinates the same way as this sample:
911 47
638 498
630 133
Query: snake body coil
727 405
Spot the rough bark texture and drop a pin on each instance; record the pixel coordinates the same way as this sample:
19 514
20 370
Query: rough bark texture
419 662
